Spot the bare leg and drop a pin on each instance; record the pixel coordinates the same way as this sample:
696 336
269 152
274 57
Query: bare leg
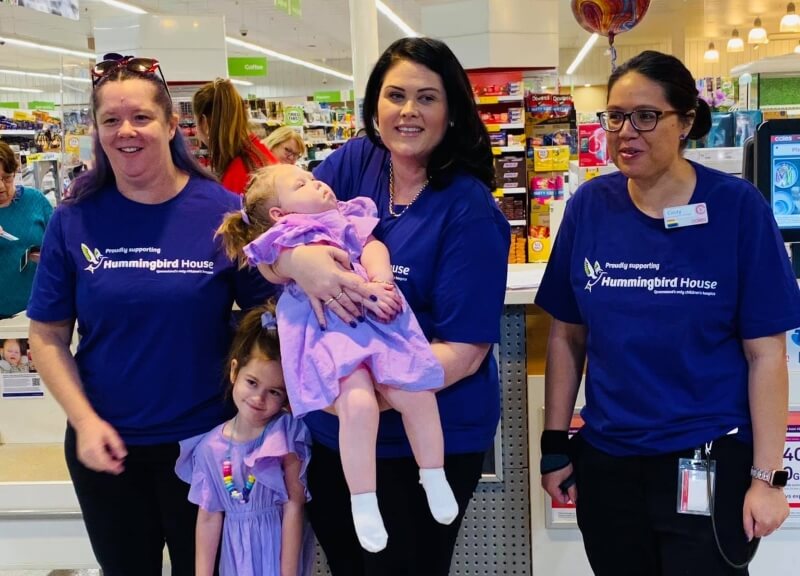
424 430
357 409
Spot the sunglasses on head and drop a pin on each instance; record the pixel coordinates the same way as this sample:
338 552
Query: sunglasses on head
113 62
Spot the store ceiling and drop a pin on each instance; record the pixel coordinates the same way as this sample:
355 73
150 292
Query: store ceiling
322 34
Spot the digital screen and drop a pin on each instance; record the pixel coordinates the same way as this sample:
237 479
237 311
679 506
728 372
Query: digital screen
784 159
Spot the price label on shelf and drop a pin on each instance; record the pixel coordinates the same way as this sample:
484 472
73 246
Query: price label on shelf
493 128
791 463
488 100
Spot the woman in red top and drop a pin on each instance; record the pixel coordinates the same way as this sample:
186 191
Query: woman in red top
221 117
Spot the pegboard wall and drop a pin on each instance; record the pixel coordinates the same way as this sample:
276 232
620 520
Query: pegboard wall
495 537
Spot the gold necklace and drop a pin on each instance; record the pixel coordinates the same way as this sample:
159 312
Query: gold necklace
391 194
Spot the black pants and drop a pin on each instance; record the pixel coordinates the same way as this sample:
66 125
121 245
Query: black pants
418 545
627 513
130 517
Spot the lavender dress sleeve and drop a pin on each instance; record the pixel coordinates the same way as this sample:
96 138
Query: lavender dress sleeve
195 465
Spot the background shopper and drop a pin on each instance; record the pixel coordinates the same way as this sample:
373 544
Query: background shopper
221 117
24 213
427 165
286 144
131 257
683 331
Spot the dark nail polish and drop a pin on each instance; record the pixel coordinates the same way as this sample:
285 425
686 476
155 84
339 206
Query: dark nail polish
360 318
321 327
373 298
353 324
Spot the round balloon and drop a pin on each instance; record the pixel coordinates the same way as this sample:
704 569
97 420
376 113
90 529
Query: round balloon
609 17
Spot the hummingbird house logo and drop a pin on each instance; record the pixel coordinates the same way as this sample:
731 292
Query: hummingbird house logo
94 258
594 273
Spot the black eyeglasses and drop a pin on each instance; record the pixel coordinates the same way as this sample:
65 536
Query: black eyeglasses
113 62
641 120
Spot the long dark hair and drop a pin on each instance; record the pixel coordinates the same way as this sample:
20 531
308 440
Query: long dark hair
678 85
102 175
465 145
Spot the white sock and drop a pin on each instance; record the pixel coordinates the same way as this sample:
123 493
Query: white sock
441 500
368 522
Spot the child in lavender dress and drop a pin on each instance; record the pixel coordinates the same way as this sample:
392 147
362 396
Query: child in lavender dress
248 475
339 365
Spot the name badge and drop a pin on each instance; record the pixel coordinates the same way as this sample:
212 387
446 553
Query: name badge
689 215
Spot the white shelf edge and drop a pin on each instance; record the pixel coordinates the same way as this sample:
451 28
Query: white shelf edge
512 190
17 132
518 222
501 149
514 98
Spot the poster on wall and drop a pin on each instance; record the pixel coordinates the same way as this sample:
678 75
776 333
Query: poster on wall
791 463
18 375
65 8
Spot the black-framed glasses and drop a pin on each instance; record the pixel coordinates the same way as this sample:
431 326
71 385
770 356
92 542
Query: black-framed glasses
113 62
642 120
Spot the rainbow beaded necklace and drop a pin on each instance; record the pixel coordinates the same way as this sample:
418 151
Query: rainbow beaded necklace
227 472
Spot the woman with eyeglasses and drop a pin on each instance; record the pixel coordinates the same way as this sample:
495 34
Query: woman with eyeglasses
670 281
286 144
222 118
131 257
24 213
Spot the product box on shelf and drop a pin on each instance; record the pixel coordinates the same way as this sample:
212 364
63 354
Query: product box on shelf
592 150
548 187
516 253
550 158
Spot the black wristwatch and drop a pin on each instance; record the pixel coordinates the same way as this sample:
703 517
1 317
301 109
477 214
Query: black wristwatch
775 478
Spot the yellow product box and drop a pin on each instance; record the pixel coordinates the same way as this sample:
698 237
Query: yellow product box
540 215
539 249
551 159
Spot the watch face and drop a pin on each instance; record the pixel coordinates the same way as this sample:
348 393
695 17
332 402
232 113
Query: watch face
780 478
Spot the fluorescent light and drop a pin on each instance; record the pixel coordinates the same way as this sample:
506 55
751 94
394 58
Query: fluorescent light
285 58
46 48
124 6
587 85
43 75
582 54
395 19
12 89
241 82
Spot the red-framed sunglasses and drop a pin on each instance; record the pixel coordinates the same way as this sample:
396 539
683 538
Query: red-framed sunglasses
113 62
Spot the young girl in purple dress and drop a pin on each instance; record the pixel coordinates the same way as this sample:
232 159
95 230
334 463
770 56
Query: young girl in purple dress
349 367
248 475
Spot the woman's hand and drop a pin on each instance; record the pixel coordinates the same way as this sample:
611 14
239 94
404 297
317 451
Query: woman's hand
765 509
99 447
324 274
552 485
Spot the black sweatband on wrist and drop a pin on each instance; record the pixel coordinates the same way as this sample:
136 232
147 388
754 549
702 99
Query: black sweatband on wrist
555 442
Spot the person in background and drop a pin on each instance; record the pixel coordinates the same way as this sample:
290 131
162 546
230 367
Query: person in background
248 475
222 118
671 282
131 257
24 214
427 164
286 144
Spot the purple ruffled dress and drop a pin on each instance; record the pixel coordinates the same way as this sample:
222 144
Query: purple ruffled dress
251 532
397 354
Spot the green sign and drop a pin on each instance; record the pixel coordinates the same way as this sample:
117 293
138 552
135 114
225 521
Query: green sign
293 116
37 105
14 105
291 7
333 96
247 66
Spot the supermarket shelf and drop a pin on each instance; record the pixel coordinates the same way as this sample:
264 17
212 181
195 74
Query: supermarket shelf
500 149
506 191
496 99
518 222
319 125
17 132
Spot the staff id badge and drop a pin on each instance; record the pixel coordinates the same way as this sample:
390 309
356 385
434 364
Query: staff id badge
693 493
688 215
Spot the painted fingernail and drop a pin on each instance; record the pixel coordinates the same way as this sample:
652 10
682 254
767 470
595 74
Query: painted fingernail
353 324
360 318
321 327
373 298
